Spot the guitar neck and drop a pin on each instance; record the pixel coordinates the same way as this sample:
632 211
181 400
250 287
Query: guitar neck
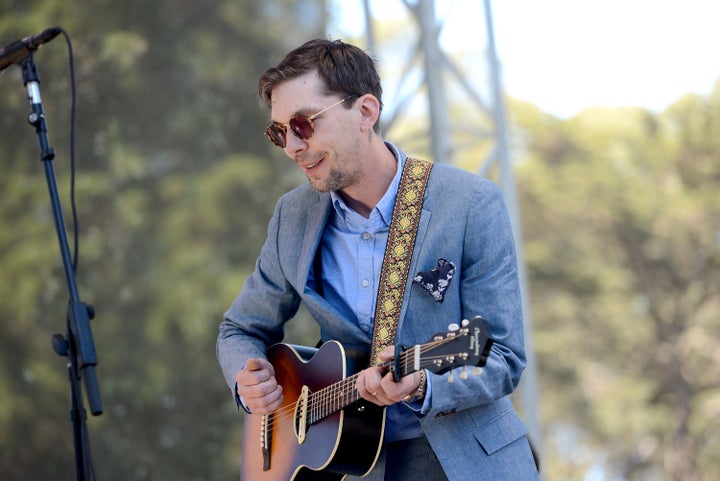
463 346
341 394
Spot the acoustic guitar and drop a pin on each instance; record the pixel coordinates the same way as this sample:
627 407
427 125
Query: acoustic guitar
324 430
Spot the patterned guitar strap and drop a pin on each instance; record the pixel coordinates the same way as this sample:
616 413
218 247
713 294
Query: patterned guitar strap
398 253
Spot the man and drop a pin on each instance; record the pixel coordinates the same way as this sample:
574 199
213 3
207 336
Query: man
325 248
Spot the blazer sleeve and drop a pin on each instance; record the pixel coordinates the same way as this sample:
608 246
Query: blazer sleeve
489 287
257 316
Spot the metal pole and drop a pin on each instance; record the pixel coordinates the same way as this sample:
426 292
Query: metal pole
437 100
529 387
369 31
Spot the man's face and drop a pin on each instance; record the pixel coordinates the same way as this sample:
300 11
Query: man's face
329 157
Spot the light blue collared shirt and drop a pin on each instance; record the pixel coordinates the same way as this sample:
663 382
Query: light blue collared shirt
352 253
353 248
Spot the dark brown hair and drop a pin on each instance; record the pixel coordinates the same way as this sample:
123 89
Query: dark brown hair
346 70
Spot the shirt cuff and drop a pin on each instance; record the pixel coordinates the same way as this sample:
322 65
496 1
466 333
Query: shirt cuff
422 406
239 401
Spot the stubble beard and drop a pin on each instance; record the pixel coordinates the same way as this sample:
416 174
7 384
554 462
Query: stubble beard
336 180
345 171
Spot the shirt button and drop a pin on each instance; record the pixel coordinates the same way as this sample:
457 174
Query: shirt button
365 283
366 235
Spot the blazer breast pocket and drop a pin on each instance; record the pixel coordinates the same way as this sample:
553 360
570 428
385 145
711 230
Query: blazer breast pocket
436 281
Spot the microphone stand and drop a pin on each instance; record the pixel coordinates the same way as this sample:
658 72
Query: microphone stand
78 345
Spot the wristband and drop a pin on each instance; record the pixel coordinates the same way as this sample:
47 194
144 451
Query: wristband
420 391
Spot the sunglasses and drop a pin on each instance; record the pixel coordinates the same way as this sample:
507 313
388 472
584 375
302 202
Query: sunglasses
301 125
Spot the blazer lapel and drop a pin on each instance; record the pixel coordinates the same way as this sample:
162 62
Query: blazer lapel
324 313
316 219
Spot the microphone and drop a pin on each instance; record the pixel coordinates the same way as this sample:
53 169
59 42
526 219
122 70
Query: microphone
18 50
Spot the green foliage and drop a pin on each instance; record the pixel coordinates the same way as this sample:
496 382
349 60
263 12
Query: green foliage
621 219
175 185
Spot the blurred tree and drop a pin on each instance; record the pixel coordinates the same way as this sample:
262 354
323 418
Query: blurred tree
175 186
622 218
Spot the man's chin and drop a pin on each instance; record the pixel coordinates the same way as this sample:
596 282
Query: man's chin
333 182
318 185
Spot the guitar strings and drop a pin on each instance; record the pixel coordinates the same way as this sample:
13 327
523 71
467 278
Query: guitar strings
318 400
326 401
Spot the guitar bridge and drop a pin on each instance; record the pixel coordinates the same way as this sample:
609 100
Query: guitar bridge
266 439
301 413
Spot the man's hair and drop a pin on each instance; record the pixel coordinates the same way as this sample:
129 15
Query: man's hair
346 70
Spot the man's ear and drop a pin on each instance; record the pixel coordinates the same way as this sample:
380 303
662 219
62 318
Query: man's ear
369 110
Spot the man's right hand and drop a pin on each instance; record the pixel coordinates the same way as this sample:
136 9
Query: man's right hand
257 387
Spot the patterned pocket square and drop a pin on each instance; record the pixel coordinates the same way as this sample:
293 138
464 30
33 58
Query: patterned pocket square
437 280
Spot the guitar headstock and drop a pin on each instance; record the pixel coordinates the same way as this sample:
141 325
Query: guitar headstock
462 345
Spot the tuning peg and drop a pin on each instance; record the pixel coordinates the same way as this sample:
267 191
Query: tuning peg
451 378
477 371
465 323
453 326
463 374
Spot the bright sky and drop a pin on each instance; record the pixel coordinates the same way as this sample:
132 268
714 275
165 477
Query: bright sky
564 55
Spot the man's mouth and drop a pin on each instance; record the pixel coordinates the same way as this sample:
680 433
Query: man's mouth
309 165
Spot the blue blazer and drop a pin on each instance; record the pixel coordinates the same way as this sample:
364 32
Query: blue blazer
471 425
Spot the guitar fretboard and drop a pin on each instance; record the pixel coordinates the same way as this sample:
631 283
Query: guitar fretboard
341 394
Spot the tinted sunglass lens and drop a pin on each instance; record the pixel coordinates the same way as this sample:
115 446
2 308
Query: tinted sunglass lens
276 135
302 126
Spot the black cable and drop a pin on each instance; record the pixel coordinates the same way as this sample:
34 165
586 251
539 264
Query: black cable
76 237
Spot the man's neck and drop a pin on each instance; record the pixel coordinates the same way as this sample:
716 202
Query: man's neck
377 176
